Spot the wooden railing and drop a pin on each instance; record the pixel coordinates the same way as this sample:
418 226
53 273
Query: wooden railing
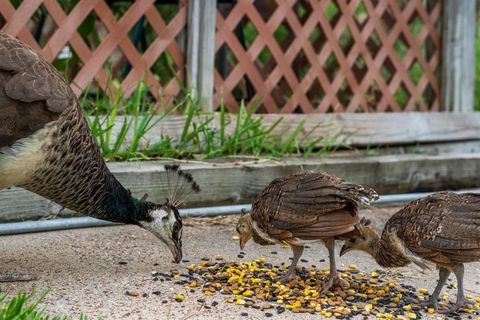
279 56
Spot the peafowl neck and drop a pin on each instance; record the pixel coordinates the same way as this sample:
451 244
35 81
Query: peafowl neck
74 174
389 252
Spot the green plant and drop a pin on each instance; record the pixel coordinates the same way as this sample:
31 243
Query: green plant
26 307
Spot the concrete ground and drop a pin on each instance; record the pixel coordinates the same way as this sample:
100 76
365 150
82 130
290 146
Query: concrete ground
89 270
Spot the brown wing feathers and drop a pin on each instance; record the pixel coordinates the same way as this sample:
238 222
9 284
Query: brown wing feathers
443 227
310 205
31 92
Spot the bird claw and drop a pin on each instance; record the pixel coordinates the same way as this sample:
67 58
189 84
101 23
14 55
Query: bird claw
454 308
336 281
287 278
429 303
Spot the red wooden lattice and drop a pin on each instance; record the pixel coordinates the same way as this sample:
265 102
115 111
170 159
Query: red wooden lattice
114 41
329 56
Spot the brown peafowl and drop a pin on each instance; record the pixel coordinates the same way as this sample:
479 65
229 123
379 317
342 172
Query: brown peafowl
443 228
303 207
46 147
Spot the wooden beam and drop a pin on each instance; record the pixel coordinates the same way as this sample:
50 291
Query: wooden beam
241 181
206 54
193 38
458 55
201 50
356 129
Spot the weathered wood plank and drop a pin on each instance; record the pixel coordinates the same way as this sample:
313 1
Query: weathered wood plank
458 55
206 54
358 129
241 181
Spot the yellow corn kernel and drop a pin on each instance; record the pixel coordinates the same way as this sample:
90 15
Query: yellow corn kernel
374 274
247 293
256 280
469 296
423 291
431 310
407 308
353 266
297 304
328 314
235 238
412 315
179 297
240 301
262 260
388 315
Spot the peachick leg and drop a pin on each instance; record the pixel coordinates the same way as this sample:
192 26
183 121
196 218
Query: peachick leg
461 300
297 253
433 300
333 277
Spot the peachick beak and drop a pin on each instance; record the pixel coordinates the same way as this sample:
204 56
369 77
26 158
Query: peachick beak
243 241
344 250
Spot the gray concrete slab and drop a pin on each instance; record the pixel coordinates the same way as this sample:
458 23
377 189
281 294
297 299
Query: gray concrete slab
83 271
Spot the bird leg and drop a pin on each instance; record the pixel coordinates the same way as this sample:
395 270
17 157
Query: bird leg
433 300
333 277
297 253
16 277
461 300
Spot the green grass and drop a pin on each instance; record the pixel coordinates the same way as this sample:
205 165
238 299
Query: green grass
26 307
200 137
477 73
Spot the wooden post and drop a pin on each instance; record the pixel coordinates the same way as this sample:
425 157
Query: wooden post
201 49
458 55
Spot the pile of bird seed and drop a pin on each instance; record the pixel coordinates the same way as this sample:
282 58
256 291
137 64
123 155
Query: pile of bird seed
254 284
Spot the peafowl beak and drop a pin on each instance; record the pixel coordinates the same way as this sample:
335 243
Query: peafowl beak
344 250
176 249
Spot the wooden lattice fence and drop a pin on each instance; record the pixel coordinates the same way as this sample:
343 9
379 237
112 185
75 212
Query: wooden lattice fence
280 56
101 40
330 56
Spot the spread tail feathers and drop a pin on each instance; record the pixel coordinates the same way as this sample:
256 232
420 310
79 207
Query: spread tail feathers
180 185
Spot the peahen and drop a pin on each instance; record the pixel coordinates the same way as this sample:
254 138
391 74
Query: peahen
46 147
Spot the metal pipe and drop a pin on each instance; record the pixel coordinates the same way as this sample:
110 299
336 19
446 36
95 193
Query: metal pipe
86 222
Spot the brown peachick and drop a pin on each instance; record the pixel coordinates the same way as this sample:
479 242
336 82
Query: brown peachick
304 207
443 228
46 147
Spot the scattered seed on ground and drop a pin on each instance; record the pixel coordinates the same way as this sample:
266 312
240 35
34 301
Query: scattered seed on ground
122 262
255 284
132 293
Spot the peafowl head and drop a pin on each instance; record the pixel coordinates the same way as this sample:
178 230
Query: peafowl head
164 220
365 242
244 229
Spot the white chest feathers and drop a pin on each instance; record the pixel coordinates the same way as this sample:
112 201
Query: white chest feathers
20 160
